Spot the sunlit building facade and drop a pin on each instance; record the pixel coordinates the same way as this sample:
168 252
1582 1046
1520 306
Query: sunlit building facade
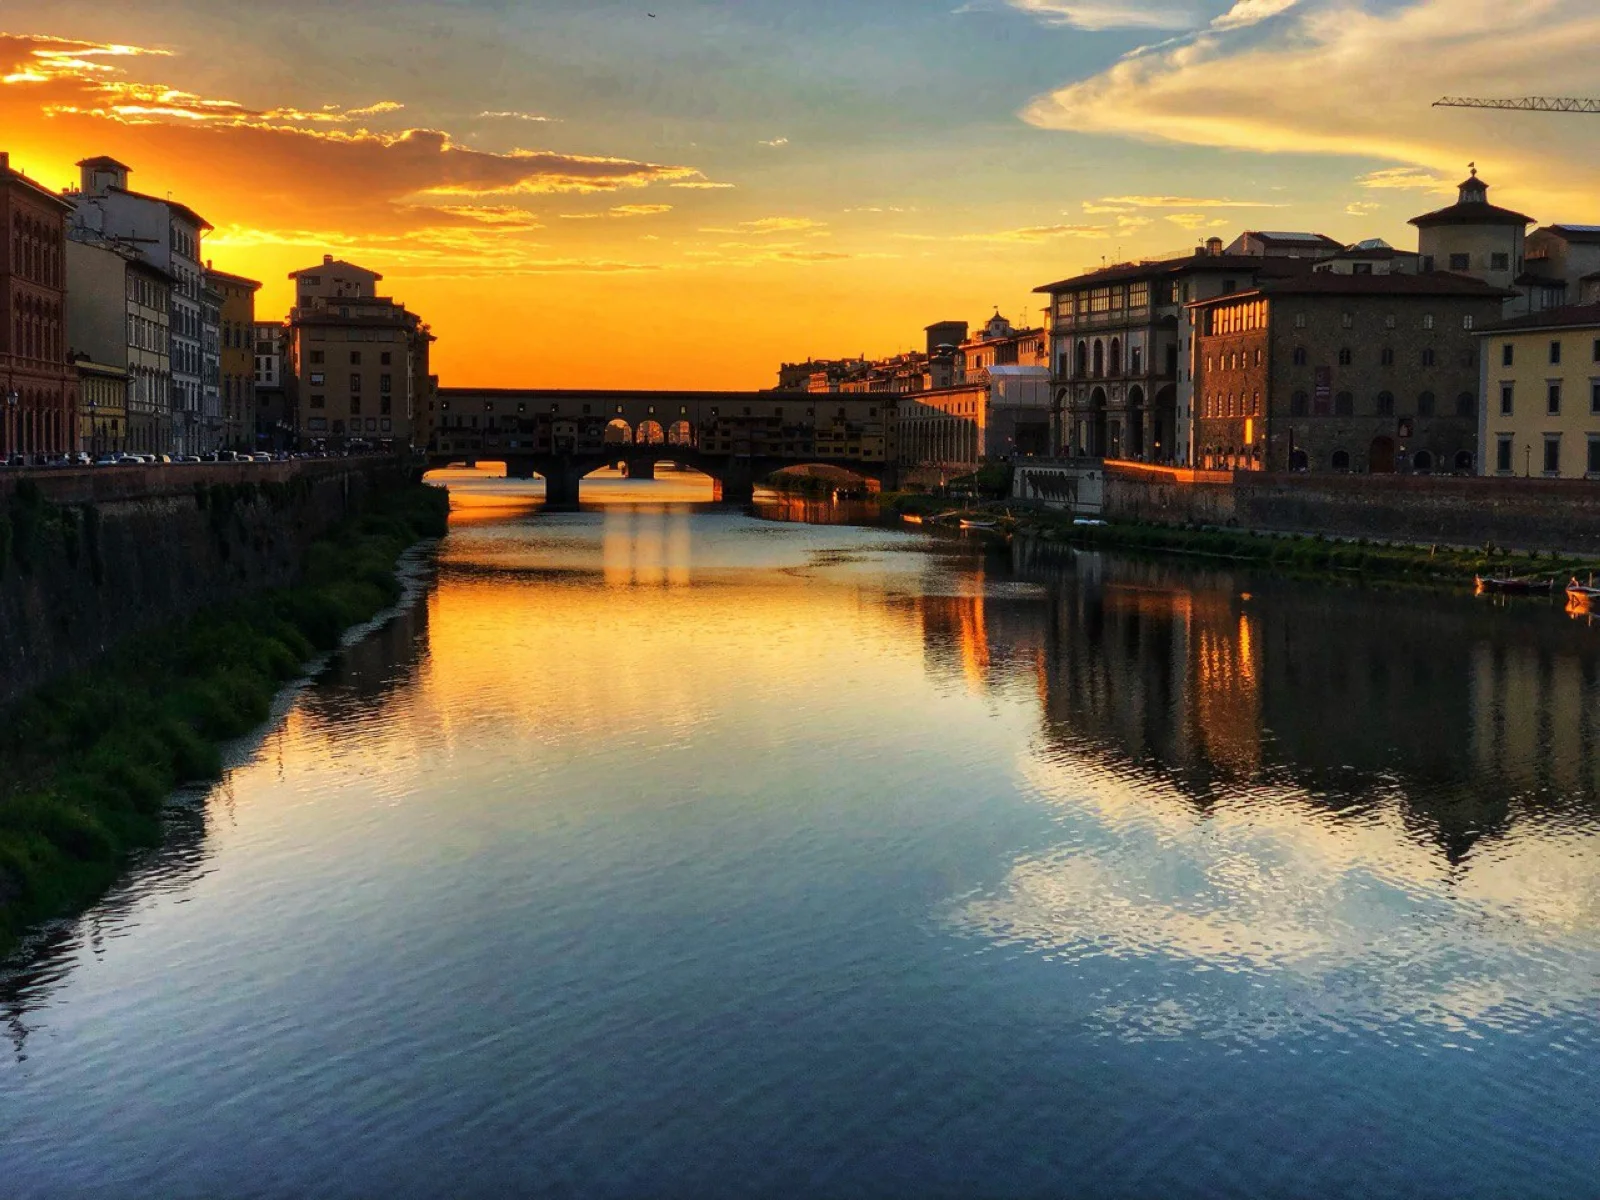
38 387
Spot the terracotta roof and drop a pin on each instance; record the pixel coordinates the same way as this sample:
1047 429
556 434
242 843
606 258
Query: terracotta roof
1172 267
1376 253
1573 316
1279 238
1471 213
252 284
102 160
1327 283
329 264
41 192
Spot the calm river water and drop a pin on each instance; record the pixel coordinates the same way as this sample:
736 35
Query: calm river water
662 850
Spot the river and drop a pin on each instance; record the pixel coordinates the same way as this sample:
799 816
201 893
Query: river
659 849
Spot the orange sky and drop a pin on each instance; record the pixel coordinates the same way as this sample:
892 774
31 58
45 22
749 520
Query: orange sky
573 193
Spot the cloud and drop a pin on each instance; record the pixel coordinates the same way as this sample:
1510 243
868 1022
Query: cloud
700 185
1251 12
1361 208
1195 221
775 142
1028 233
1123 203
1110 14
620 211
1357 78
310 164
1407 178
516 116
765 226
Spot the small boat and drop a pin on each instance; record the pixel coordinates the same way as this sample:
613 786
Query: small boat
978 523
1513 586
911 518
1581 594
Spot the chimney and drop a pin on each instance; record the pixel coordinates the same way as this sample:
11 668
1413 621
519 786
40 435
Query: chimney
327 260
1214 247
5 160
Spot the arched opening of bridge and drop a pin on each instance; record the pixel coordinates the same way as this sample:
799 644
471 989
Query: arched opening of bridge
619 433
650 434
680 434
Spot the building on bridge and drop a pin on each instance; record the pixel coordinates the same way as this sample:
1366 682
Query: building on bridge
735 437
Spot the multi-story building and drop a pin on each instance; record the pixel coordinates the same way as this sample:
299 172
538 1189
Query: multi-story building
1371 257
356 354
1541 388
212 427
38 402
1563 267
999 344
275 425
102 407
1341 372
1474 237
1002 412
237 330
118 309
1119 343
168 234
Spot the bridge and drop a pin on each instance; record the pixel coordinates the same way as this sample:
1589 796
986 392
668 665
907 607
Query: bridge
737 438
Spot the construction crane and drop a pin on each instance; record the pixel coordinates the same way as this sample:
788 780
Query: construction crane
1558 104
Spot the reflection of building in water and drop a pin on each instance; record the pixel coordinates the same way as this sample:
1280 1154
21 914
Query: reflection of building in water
991 642
1348 697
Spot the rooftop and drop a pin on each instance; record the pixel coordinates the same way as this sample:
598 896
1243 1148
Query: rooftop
1173 267
1575 316
1585 234
1327 283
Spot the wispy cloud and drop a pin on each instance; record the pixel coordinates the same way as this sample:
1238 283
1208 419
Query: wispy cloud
767 226
1028 233
1407 179
620 211
1123 203
1195 221
1111 14
1251 12
508 115
774 143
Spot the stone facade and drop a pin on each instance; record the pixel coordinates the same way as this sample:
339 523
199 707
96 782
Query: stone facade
237 328
1342 373
38 389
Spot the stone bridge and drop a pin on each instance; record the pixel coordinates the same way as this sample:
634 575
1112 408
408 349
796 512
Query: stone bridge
737 438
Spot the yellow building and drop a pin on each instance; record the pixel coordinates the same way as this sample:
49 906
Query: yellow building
102 407
237 376
1541 395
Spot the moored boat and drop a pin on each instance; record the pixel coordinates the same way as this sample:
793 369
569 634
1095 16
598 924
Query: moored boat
1582 595
1514 586
977 523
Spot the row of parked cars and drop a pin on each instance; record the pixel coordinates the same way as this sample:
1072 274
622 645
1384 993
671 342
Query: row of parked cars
82 459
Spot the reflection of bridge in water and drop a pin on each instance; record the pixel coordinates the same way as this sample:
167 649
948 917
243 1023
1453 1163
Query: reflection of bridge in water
737 438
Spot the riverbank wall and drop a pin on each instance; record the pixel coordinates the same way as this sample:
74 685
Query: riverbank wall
90 559
1521 514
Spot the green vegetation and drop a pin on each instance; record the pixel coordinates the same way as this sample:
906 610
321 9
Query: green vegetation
86 764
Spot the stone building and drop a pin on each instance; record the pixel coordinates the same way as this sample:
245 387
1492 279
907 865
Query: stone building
1119 346
1267 244
236 333
38 387
1474 237
1329 372
275 417
1563 267
1541 384
119 307
357 356
167 234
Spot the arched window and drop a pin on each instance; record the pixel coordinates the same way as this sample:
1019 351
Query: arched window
1464 462
1422 461
1099 359
1116 357
1345 357
1298 404
1082 368
1466 406
1386 404
1344 405
1425 404
1340 460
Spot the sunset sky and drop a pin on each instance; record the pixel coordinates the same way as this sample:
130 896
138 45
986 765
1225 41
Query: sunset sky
573 192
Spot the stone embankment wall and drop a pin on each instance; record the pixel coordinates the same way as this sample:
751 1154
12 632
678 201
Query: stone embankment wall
1519 514
91 558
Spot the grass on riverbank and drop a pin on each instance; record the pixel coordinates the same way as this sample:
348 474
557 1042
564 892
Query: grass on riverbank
1290 553
86 764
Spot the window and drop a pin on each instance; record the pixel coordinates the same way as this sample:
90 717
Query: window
1552 399
317 378
1299 356
1508 353
1502 454
1552 454
1597 350
1298 404
1499 262
1594 396
1555 354
1386 404
1300 323
355 358
1427 262
385 384
385 358
1427 321
1344 356
1466 405
1388 321
1507 393
1429 357
1466 321
1340 460
1386 356
1347 320
1461 262
1425 404
316 357
1344 405
355 383
318 400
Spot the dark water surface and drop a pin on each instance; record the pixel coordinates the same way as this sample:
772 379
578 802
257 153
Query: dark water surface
660 850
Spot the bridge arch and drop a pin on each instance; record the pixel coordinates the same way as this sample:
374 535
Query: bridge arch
650 433
618 432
